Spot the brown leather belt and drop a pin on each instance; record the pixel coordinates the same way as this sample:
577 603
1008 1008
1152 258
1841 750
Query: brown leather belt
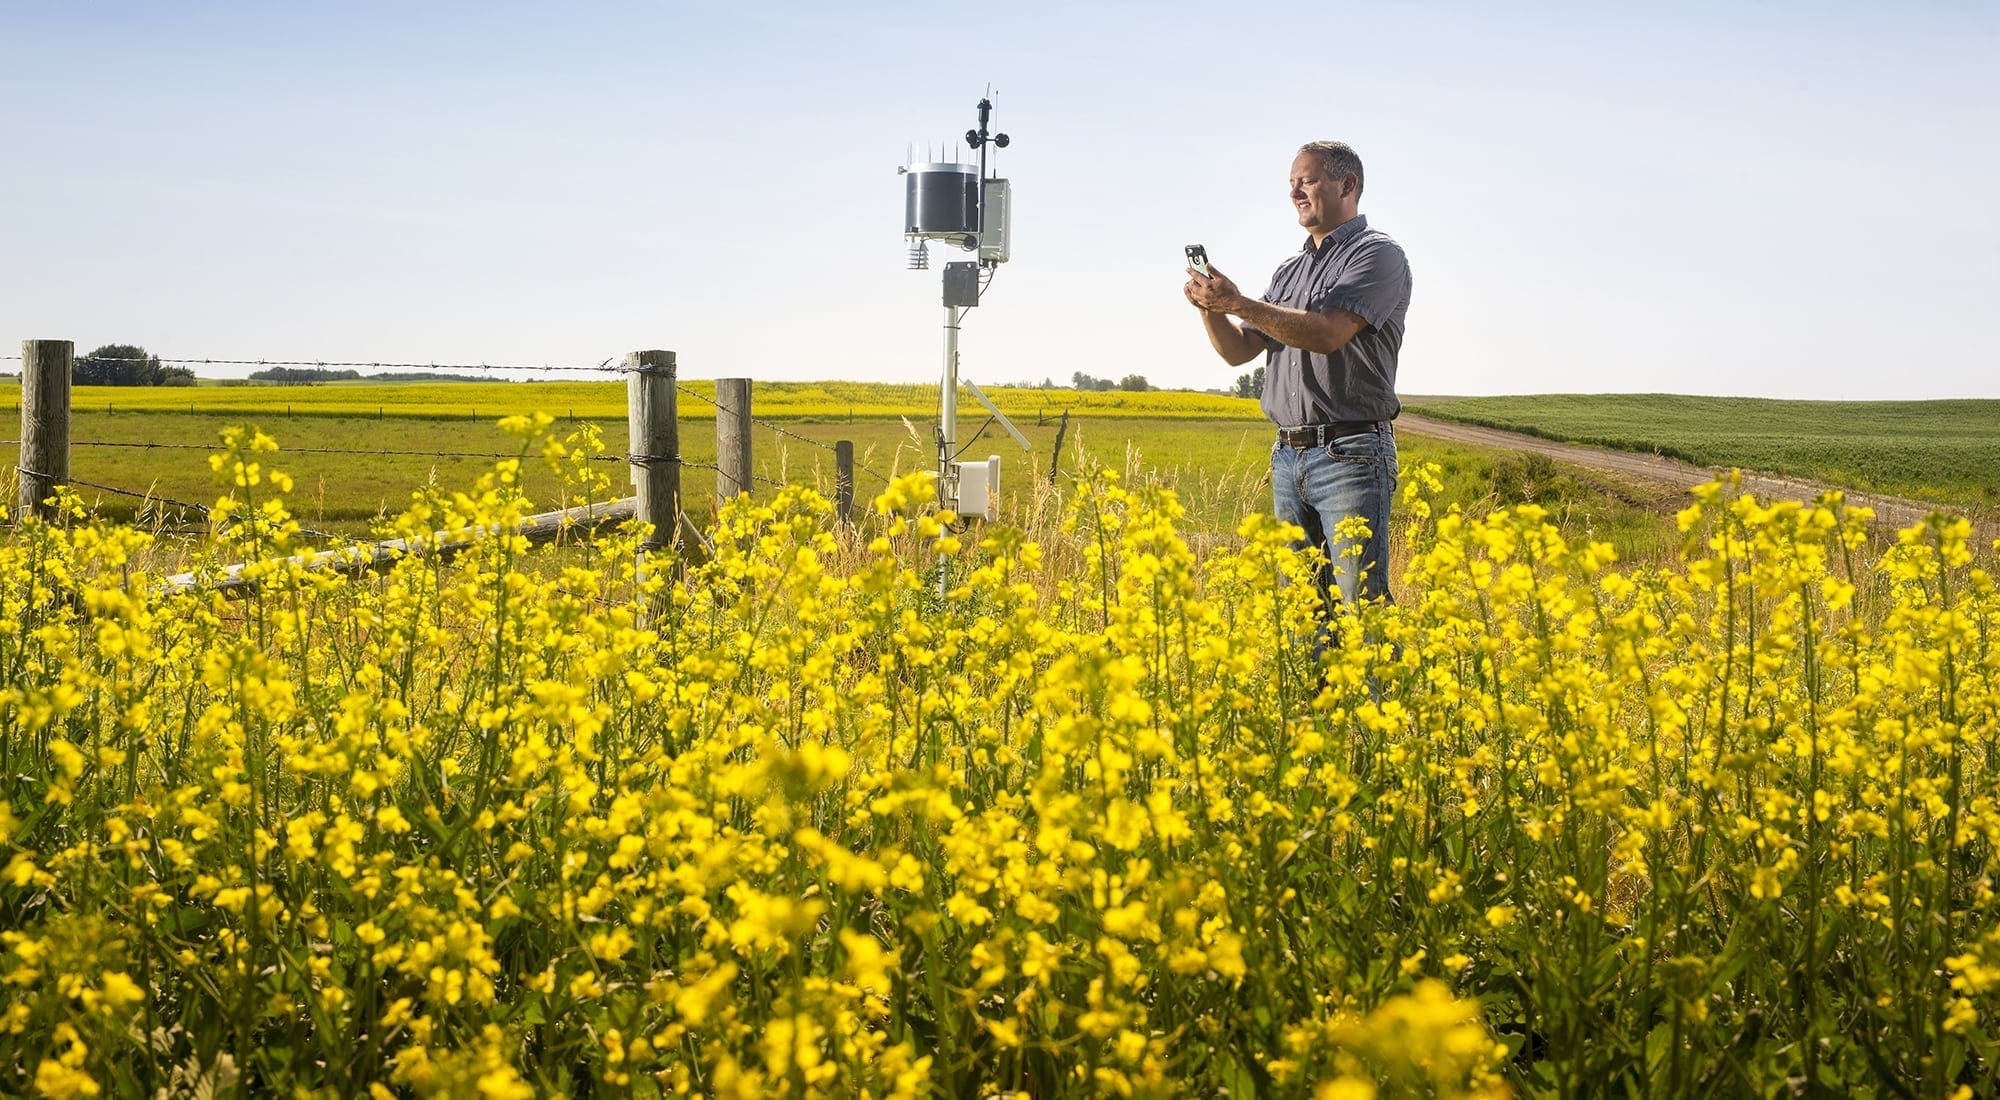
1319 435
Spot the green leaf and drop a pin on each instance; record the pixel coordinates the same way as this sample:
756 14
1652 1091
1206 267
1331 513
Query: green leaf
1236 1081
1659 1043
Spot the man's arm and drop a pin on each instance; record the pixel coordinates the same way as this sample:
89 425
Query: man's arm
1299 328
1236 346
1219 299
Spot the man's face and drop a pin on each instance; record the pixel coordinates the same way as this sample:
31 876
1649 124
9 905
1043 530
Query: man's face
1317 197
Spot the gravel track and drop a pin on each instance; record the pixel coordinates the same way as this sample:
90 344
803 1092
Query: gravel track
1890 511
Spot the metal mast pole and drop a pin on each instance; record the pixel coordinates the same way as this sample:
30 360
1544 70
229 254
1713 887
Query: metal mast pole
948 410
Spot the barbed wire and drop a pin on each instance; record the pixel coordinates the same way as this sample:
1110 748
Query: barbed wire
205 511
160 497
808 441
605 367
637 460
631 459
149 446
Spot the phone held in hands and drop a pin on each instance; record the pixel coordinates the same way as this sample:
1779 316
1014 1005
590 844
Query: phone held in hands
1197 258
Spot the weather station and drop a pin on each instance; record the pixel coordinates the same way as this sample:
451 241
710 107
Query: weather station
961 204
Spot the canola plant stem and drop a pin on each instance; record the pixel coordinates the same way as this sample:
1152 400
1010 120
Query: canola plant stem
1809 971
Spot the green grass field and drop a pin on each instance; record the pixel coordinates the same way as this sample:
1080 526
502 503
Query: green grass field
1943 451
350 470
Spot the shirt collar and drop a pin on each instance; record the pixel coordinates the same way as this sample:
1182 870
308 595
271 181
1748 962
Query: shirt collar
1341 234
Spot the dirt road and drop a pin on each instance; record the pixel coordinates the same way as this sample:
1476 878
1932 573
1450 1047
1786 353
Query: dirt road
1894 512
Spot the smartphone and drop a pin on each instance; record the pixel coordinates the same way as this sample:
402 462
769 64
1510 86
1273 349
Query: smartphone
1197 258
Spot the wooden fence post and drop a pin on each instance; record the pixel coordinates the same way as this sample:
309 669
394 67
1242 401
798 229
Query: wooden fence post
44 464
732 437
654 446
1055 452
843 479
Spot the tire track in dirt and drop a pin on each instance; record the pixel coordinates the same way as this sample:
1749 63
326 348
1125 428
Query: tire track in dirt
1890 511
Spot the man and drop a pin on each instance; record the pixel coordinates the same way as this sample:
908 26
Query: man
1330 328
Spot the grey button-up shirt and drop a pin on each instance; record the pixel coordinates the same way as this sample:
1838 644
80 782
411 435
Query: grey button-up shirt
1364 272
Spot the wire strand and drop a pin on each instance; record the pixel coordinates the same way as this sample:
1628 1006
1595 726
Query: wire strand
606 367
810 442
626 459
205 510
163 499
150 446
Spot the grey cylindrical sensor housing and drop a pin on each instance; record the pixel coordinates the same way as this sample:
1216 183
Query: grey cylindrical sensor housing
941 200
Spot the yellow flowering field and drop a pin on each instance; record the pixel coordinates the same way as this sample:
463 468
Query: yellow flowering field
1048 809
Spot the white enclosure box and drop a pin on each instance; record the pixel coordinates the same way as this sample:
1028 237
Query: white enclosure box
999 199
979 488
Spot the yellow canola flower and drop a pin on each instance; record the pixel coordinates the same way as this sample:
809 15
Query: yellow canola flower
62 1077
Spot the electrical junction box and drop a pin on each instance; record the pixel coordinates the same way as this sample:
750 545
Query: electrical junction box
999 201
979 488
961 284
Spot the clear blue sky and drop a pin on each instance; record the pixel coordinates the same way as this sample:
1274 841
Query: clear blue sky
1777 199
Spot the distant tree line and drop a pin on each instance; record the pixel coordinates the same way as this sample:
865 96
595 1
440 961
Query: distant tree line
1250 385
125 365
131 365
312 376
298 376
1131 383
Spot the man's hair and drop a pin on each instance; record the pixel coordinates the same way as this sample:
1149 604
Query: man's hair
1337 159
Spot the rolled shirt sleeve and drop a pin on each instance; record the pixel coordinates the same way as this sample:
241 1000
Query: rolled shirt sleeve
1370 285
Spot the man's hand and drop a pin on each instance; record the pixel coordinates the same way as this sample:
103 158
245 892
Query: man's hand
1216 297
1213 292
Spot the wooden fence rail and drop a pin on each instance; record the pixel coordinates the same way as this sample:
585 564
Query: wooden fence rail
368 557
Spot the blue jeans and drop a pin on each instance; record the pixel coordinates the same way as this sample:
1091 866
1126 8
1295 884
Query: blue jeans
1316 488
